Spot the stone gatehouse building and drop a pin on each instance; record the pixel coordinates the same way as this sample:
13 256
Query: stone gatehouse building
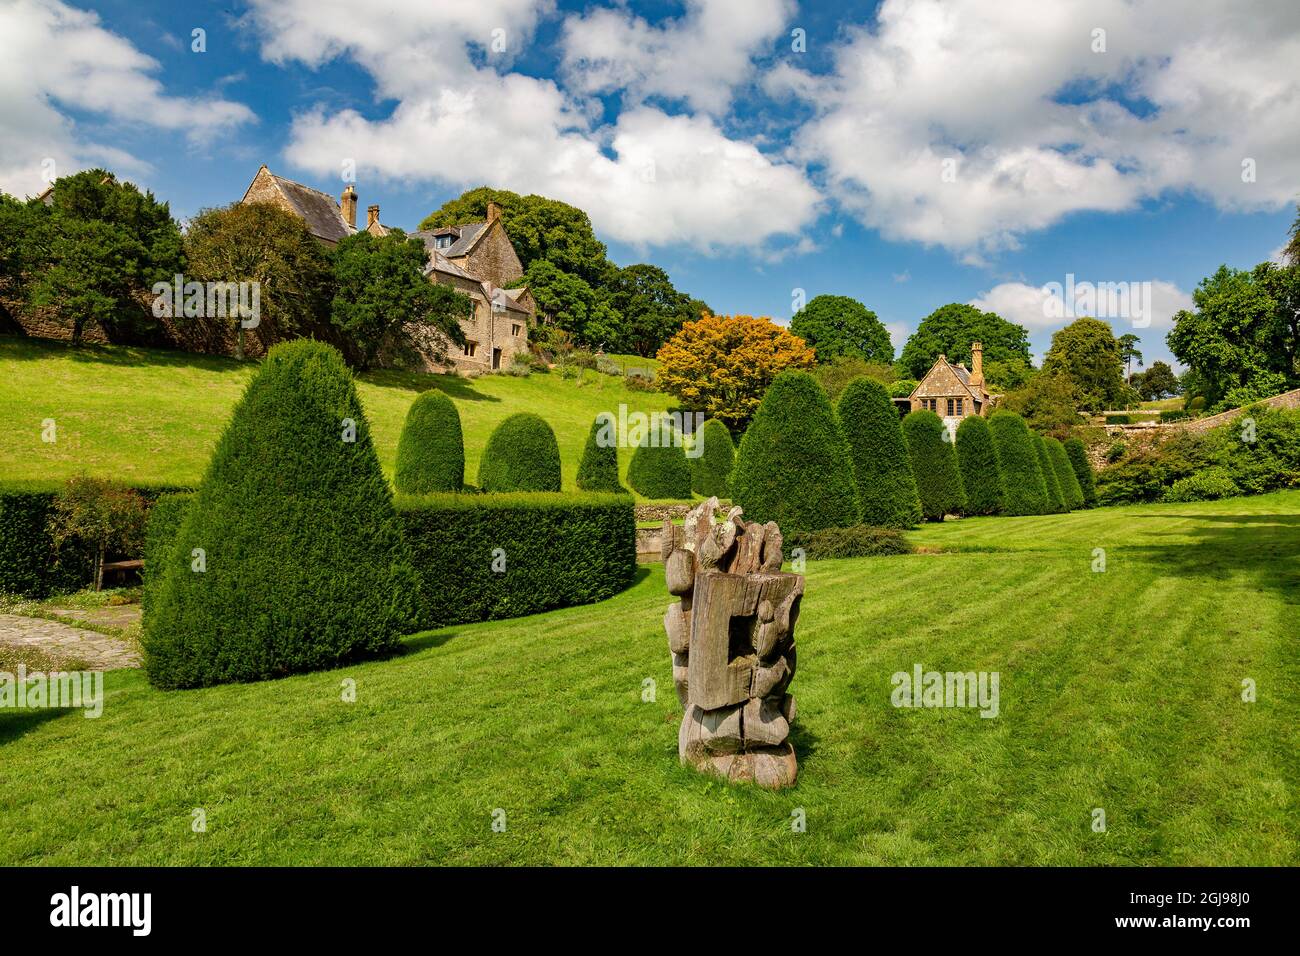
476 258
953 392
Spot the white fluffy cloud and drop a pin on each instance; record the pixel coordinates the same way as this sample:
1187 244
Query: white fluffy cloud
1030 123
1039 308
648 178
58 58
698 58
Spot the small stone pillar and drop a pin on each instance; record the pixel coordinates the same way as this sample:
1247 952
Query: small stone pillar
731 635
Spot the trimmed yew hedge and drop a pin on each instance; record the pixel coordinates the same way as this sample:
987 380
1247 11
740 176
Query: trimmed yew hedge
160 530
979 467
1065 477
711 471
887 492
1055 498
1023 485
431 451
660 470
934 462
554 551
598 470
1078 456
794 466
521 455
306 564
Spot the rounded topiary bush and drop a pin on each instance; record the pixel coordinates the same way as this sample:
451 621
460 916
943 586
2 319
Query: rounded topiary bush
1024 489
289 557
1078 456
934 462
521 455
1055 499
1070 488
598 470
793 465
431 451
979 467
711 468
659 468
882 469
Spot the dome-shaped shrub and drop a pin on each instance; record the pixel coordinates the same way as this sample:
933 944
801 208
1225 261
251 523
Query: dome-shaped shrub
711 469
886 486
979 467
521 455
1065 477
598 470
934 462
658 468
1055 499
1023 486
290 556
1078 456
793 465
431 451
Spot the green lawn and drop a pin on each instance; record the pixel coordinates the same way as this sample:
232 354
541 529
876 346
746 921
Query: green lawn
155 415
1119 690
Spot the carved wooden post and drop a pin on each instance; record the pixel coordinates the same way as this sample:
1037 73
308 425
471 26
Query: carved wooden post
731 635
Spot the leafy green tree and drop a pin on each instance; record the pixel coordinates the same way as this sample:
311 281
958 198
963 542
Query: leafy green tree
100 516
1128 353
659 468
290 556
652 310
794 466
950 330
1157 382
1246 325
1082 470
262 243
598 470
431 449
934 463
839 327
521 455
1048 402
570 303
1005 375
1071 490
834 376
24 232
1087 353
711 470
979 467
1055 497
882 470
1023 484
380 283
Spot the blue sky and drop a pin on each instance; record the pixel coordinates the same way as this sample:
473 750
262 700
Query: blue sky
750 147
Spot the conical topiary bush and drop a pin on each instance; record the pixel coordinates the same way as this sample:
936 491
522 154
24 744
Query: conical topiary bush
1071 492
289 556
1023 486
658 468
934 462
521 455
1078 456
598 470
715 457
431 451
793 465
881 467
979 467
1055 500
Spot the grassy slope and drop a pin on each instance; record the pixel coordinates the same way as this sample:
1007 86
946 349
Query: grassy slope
143 414
1119 690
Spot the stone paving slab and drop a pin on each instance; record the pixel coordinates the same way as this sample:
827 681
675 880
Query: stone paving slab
99 651
114 615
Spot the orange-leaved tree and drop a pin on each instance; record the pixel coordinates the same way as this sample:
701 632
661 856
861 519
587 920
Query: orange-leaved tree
722 364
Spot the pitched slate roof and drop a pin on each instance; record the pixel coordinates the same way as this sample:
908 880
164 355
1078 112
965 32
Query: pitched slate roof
320 211
506 298
963 376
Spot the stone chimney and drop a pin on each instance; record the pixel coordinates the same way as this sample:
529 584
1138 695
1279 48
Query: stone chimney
976 363
494 212
348 203
372 216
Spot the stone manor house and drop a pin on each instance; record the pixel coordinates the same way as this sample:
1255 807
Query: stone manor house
952 392
477 258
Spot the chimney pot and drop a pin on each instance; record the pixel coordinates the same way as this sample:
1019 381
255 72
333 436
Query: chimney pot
348 205
976 363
